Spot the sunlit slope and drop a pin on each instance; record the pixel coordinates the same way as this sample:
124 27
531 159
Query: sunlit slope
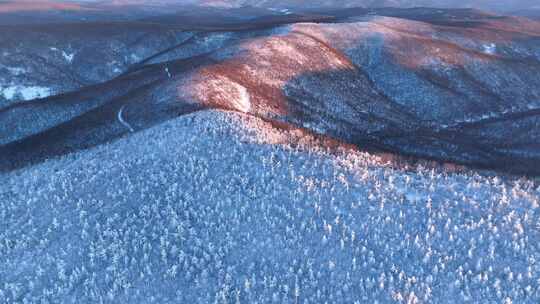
431 84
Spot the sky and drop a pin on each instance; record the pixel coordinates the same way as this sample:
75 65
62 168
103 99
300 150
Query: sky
504 5
483 4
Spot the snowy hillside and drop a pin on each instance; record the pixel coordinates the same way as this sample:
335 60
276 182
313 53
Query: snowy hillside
39 61
212 207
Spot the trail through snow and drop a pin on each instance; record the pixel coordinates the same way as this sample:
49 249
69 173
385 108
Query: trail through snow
122 121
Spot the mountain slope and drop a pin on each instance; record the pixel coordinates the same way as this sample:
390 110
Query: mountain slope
219 206
455 85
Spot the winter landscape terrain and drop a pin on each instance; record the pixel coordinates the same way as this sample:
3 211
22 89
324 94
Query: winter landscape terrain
251 151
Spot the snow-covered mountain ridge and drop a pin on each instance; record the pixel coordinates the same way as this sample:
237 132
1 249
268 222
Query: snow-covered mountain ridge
451 85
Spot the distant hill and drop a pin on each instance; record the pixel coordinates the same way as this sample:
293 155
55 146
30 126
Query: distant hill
533 13
450 84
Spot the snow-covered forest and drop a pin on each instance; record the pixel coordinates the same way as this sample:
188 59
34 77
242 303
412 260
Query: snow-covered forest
256 152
